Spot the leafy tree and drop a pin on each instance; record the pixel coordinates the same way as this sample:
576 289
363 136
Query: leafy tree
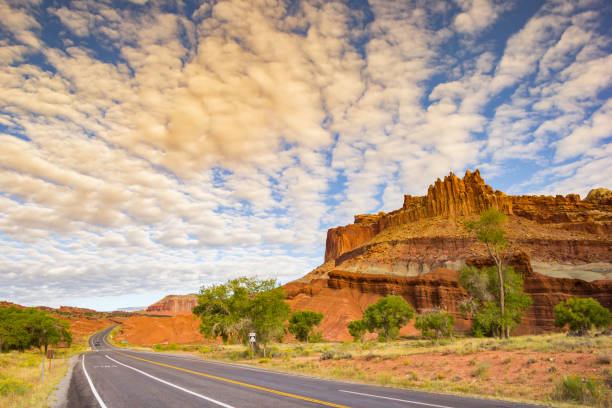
489 229
436 323
23 328
483 304
13 335
387 316
234 309
581 315
302 322
268 312
357 329
45 330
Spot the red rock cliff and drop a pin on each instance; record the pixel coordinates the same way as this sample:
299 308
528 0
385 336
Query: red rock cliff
436 289
455 198
174 305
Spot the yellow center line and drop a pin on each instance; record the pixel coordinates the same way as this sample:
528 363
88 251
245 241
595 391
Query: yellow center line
214 377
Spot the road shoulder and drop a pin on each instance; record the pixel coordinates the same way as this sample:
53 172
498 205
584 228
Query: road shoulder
59 397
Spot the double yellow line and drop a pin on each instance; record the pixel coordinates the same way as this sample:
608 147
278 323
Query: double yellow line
214 377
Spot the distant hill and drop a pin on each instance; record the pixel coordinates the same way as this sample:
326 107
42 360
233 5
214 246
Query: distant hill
130 309
174 305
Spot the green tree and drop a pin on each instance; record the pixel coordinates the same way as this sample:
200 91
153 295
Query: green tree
436 323
302 322
357 329
234 309
45 330
581 314
483 304
268 312
489 229
387 316
24 328
13 334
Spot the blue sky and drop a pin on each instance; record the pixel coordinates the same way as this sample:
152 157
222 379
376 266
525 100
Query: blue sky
151 147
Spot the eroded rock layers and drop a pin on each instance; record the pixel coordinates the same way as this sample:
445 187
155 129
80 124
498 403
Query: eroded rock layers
562 246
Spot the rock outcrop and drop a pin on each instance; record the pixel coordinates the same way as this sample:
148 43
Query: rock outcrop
452 197
559 229
173 305
417 251
345 295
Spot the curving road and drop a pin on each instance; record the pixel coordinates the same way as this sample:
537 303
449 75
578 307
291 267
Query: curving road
110 377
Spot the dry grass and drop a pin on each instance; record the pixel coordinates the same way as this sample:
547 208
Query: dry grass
20 376
522 368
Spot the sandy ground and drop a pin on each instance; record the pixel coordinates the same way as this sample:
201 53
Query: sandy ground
147 330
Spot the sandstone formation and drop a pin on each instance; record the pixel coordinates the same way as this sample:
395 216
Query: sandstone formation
344 296
173 305
417 250
427 232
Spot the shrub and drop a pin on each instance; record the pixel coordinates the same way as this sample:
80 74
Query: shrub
30 361
583 391
10 385
387 316
481 370
316 337
603 359
357 329
581 315
302 322
327 355
435 324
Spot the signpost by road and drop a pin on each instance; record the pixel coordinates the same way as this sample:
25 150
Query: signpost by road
50 356
253 341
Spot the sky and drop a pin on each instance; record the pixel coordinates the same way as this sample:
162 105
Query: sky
152 147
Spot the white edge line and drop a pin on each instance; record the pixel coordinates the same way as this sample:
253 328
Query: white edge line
396 399
95 393
173 385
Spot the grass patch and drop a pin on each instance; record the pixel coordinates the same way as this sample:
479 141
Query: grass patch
481 371
574 389
475 366
12 386
20 376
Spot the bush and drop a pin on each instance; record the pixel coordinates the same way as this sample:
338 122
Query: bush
357 329
13 386
316 337
582 391
603 359
327 355
302 322
435 324
166 347
481 371
581 315
387 316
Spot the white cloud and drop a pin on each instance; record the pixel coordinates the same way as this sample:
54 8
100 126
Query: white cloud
477 15
184 149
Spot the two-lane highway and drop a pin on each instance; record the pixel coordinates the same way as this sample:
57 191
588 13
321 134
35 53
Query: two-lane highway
112 377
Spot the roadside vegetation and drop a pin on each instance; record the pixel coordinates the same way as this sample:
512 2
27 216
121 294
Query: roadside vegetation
542 369
556 369
25 335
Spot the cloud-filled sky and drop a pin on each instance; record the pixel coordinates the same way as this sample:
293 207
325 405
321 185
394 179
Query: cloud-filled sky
151 147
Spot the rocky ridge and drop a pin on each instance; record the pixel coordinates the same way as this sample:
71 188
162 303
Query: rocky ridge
427 232
417 250
173 305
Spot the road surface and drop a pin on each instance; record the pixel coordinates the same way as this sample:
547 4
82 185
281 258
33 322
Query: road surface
110 377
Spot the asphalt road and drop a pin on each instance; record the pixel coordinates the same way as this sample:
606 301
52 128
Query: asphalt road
112 377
